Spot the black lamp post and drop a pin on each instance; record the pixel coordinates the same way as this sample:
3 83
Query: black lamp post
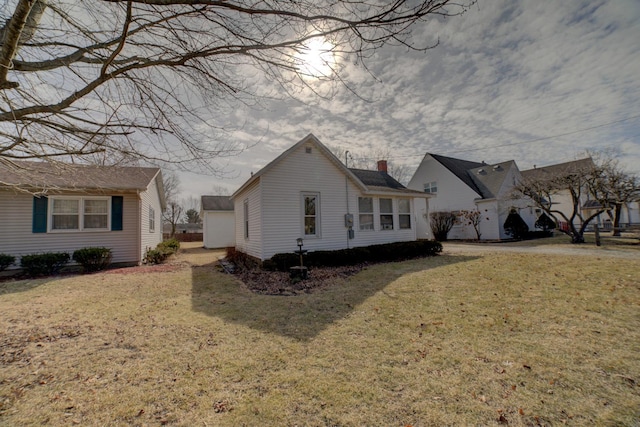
300 251
301 271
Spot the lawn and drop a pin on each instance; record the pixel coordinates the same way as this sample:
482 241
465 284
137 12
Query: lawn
460 339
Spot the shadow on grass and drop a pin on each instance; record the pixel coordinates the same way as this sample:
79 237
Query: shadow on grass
20 283
304 316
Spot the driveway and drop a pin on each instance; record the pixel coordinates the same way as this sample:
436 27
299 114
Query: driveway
586 249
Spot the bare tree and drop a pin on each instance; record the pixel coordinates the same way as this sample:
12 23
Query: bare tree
173 211
543 189
613 188
144 78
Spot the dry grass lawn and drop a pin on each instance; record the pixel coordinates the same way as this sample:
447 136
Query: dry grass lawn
464 339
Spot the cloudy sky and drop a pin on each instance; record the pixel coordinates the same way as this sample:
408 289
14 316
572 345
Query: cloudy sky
537 82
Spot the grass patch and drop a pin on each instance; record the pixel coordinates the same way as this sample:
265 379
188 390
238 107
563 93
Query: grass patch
451 340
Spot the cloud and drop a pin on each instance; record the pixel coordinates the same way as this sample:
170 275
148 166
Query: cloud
504 73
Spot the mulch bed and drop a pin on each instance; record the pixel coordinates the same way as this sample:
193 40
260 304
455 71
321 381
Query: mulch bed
279 283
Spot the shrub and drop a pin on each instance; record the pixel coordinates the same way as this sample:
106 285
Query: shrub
44 264
545 223
441 223
155 256
6 260
162 251
341 257
170 246
93 258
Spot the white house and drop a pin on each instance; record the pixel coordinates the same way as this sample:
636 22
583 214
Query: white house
306 192
466 185
562 200
218 221
46 207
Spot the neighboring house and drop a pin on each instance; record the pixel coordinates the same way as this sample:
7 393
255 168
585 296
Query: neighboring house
218 221
308 193
47 207
563 202
466 185
183 228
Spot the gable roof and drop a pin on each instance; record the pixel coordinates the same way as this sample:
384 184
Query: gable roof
459 168
216 203
379 183
43 176
489 179
559 169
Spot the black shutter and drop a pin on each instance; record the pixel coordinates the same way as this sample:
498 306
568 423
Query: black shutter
40 205
116 213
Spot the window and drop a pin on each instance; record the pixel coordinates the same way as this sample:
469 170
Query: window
152 220
79 213
246 219
365 209
386 214
404 214
311 211
431 187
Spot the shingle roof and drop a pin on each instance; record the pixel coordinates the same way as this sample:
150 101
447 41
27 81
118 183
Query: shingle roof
490 178
376 179
558 169
217 203
459 168
44 175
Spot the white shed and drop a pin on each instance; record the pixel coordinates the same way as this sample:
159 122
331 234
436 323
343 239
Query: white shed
218 222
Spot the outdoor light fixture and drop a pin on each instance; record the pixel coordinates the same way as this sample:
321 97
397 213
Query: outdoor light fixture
299 241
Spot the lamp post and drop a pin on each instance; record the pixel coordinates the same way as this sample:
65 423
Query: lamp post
299 272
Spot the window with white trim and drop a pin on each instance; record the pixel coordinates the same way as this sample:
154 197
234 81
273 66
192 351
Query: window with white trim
386 214
431 187
152 220
79 213
311 214
404 214
365 213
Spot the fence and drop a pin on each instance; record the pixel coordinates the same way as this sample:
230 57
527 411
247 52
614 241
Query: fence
185 237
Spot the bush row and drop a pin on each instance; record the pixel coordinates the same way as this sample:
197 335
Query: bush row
162 251
377 253
45 264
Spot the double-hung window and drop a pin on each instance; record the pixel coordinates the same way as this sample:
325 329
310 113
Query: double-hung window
311 214
152 220
365 213
386 214
431 187
80 213
404 214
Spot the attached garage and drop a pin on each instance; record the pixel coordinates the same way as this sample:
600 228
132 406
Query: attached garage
218 222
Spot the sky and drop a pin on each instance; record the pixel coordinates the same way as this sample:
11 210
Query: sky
536 82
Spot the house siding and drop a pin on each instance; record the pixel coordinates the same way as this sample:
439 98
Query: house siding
150 198
280 196
452 195
17 237
219 229
252 245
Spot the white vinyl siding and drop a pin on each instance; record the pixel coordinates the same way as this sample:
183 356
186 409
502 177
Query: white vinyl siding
16 222
219 229
275 200
148 238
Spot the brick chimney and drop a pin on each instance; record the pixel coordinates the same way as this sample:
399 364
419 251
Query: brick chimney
382 166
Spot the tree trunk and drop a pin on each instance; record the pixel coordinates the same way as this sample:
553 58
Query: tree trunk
616 220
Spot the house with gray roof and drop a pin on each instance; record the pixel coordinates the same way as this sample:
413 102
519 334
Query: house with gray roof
56 207
307 192
218 221
463 185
